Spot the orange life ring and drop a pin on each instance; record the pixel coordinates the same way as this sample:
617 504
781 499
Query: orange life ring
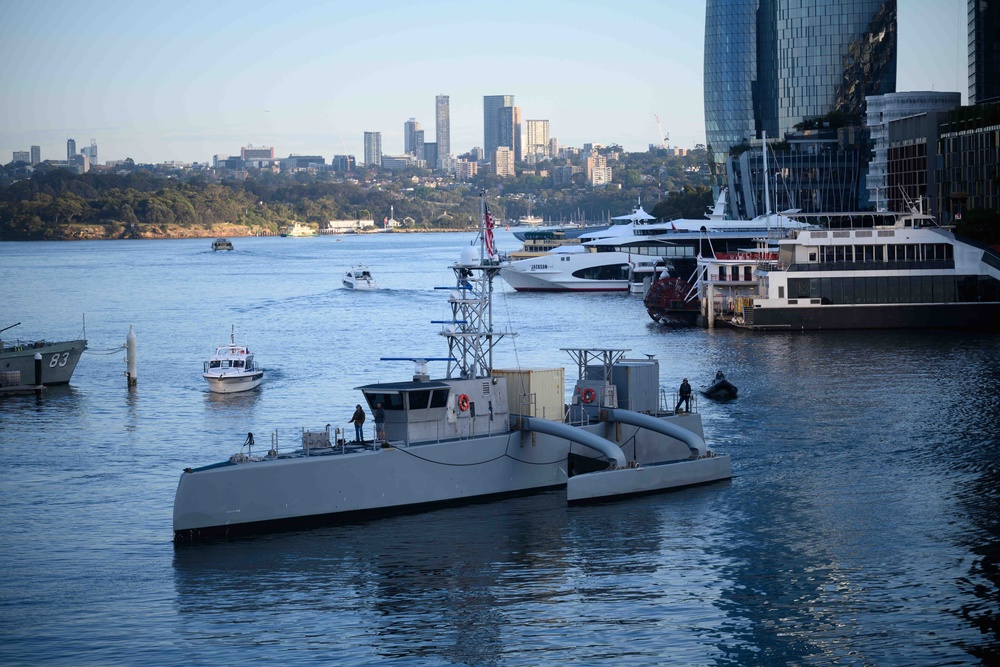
589 395
463 402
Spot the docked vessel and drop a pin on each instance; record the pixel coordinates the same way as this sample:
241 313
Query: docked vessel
222 244
877 271
359 278
232 368
473 434
604 259
59 359
298 229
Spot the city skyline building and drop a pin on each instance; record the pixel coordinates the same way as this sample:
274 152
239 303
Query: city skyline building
410 129
70 149
510 130
503 162
36 154
21 156
373 149
984 50
257 153
91 151
537 140
442 129
492 104
772 64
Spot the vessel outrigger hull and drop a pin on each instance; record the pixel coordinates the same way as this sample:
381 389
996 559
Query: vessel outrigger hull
643 480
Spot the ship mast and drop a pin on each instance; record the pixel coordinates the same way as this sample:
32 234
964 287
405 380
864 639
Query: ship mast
470 332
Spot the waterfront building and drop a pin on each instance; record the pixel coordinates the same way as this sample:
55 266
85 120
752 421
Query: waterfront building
984 51
883 109
910 162
442 136
816 170
536 143
772 64
969 161
492 104
70 149
36 154
413 144
258 153
373 149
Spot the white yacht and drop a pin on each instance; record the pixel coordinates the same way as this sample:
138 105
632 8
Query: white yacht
359 278
232 368
604 259
877 271
473 434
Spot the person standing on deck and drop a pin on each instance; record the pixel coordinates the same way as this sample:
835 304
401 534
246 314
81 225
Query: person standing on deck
685 397
379 422
358 420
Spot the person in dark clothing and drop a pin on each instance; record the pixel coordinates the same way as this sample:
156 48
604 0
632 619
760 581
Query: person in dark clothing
719 376
379 422
358 420
685 397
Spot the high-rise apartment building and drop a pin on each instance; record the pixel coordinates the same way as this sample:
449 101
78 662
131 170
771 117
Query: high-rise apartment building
70 149
442 119
984 50
410 147
771 64
492 134
373 149
510 130
537 141
36 154
503 162
21 156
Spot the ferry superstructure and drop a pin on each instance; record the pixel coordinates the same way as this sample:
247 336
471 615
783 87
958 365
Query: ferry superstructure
877 271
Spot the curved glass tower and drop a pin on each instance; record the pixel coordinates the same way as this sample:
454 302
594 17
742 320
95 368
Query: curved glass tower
770 64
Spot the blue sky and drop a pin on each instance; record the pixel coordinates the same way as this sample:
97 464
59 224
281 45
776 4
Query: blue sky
161 81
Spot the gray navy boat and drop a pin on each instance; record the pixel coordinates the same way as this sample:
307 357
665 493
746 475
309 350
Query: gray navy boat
59 360
472 435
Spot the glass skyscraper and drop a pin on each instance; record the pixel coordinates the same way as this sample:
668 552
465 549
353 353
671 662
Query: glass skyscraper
770 64
492 123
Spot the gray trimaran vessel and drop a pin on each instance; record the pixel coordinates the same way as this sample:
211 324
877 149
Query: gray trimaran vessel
466 437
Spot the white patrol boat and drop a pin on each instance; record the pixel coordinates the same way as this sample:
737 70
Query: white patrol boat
470 435
360 278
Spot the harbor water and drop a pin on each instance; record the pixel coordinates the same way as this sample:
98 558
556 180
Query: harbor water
861 527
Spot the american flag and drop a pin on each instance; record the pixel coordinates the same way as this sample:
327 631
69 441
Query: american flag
488 232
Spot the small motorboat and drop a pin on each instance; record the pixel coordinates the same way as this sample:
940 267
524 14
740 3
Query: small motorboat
232 368
359 278
222 244
721 389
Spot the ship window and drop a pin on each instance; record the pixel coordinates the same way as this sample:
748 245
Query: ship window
878 253
812 257
419 400
439 398
892 289
781 291
389 401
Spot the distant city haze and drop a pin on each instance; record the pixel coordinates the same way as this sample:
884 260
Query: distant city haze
185 81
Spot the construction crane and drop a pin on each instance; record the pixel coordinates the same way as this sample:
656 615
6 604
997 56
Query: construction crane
664 138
